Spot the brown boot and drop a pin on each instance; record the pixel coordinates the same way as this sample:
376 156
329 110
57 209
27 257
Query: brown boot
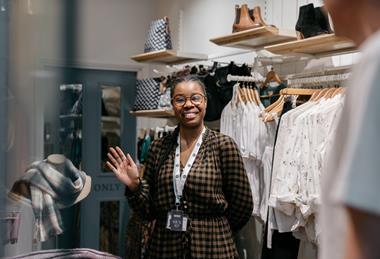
257 16
243 21
237 14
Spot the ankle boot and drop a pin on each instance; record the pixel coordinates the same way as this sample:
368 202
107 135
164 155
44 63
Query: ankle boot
257 16
243 21
237 14
322 19
307 25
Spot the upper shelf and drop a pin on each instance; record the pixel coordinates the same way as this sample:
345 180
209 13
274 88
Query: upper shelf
322 45
159 113
168 57
256 38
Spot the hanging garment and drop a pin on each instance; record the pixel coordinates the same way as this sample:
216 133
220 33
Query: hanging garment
303 137
241 122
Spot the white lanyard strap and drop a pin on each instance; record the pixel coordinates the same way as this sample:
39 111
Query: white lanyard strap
178 179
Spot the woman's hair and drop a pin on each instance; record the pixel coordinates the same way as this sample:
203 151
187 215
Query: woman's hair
189 78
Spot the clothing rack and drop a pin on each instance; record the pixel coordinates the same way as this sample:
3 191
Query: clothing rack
325 71
319 79
326 76
298 91
231 78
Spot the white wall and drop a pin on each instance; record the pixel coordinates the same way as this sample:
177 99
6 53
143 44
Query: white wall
110 31
195 22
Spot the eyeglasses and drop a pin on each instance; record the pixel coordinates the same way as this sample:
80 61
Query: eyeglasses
180 100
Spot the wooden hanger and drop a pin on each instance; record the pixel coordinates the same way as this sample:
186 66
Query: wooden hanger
246 93
277 106
322 94
252 93
257 97
243 94
298 91
330 93
278 101
276 110
339 90
239 98
272 76
273 108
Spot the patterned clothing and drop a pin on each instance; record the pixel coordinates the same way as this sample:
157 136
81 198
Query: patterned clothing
217 198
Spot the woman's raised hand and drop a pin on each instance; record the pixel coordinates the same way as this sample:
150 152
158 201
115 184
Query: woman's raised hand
124 168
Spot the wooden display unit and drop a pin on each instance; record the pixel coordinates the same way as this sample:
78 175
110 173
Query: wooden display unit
168 57
322 45
160 113
256 38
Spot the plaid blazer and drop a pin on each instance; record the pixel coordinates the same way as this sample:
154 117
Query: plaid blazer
217 199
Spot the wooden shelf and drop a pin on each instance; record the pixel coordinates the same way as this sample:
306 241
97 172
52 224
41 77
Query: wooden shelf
256 38
162 113
169 57
322 45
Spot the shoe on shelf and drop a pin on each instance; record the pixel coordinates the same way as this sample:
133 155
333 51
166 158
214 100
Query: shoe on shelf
244 19
257 16
322 19
311 22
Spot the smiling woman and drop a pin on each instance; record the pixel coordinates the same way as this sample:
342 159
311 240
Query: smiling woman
189 103
195 186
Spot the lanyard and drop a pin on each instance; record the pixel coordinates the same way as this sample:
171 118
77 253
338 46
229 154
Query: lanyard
178 179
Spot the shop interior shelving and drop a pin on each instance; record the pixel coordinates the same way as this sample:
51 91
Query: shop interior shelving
318 46
256 38
168 57
159 113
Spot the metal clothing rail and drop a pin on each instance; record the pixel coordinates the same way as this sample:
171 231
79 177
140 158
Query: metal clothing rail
319 79
231 78
324 72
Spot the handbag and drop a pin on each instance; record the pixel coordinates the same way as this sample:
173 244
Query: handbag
158 37
147 94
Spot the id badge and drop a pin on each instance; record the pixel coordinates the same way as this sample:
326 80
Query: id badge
177 221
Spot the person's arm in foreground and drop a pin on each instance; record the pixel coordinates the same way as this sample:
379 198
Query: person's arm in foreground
363 235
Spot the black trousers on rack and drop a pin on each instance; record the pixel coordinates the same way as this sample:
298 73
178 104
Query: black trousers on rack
284 245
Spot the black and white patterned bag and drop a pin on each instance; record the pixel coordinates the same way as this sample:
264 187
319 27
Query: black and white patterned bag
147 94
158 37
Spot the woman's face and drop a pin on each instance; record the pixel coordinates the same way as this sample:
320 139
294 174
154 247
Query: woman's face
189 104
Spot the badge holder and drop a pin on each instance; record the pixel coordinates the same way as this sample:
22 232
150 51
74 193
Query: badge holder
177 220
